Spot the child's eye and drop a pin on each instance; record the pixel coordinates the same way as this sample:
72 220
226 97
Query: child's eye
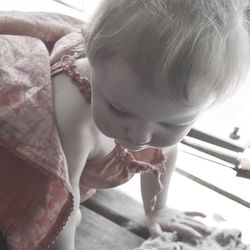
171 126
116 111
167 125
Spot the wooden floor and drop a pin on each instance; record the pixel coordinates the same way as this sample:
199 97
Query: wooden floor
111 221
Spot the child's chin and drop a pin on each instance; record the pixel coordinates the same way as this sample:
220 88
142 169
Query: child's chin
131 147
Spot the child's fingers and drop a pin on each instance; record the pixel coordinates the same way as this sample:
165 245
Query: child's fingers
198 226
193 220
193 214
184 230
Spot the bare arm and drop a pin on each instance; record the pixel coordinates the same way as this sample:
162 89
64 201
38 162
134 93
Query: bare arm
163 217
149 184
72 113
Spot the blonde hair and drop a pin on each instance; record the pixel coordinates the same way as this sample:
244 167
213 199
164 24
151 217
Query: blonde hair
181 47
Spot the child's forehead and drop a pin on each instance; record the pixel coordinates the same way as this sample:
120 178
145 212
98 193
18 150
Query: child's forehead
119 73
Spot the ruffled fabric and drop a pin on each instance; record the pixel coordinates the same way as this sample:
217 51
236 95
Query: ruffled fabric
67 65
35 194
120 165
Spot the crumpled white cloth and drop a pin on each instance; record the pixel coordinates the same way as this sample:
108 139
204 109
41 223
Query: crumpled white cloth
219 239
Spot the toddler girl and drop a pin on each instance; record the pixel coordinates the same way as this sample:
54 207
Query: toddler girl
145 69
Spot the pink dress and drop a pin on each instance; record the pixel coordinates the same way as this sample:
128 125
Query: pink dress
36 197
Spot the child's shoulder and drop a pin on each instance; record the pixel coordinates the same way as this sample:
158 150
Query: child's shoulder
69 102
72 111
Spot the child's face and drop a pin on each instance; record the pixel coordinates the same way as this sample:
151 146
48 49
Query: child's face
123 109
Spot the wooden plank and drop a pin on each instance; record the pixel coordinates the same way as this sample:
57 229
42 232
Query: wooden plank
96 232
121 209
219 176
211 138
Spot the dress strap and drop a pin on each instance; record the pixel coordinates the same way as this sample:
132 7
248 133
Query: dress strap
67 65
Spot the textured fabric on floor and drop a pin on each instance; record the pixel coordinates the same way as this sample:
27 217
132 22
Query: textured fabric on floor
219 239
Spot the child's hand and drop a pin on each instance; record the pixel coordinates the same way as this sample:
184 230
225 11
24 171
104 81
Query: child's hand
183 223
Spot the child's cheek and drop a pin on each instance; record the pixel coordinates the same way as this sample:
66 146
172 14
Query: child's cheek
177 134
